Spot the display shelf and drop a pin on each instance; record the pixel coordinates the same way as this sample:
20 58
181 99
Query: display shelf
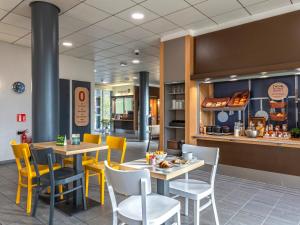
176 109
224 108
176 93
174 127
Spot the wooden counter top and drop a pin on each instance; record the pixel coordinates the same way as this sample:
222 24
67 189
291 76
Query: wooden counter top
288 143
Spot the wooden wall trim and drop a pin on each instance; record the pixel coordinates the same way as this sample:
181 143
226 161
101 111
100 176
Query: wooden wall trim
162 96
190 92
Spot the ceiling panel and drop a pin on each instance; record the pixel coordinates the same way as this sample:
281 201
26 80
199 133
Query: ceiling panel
165 7
96 31
106 5
25 41
100 44
230 16
9 4
267 6
8 37
81 51
250 2
126 15
87 13
71 23
217 7
115 24
79 39
118 39
137 33
193 2
186 16
18 21
2 13
13 30
200 25
159 26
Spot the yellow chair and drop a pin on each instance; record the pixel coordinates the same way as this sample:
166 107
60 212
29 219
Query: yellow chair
114 144
26 170
87 159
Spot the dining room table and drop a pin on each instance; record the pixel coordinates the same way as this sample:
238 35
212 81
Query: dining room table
163 175
76 152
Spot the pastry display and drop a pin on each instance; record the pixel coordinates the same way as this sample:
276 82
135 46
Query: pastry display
215 102
239 99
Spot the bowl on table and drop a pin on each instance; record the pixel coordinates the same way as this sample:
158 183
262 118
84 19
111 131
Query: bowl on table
160 157
251 133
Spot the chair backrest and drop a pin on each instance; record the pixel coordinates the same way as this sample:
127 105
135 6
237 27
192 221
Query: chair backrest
128 183
22 156
210 155
92 138
43 156
117 144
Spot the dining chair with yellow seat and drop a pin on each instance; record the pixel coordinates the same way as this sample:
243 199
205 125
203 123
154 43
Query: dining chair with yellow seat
114 144
87 159
26 170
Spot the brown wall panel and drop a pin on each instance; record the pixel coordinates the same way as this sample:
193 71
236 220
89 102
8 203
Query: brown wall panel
259 157
267 45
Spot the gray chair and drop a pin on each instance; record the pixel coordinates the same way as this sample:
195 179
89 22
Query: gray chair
197 190
54 178
141 207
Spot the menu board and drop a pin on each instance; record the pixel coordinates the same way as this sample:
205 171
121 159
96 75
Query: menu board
278 91
82 107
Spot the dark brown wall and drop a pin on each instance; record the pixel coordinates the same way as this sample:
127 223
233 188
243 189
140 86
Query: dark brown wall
259 157
267 45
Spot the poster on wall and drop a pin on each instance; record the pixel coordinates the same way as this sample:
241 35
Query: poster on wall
278 91
82 107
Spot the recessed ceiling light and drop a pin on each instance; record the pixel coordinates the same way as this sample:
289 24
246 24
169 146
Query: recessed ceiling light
234 79
298 73
263 73
135 78
137 16
298 69
135 61
207 82
67 44
104 82
233 76
123 63
207 79
95 71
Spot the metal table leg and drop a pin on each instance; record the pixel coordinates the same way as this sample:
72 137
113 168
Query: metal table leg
77 195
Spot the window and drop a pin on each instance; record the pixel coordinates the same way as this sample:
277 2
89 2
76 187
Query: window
102 108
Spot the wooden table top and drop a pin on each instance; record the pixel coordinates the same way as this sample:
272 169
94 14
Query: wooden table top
162 174
69 149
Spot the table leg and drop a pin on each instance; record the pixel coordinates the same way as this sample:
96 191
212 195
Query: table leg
163 189
77 195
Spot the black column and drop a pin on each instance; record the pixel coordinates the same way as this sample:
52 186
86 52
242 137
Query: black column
144 104
45 77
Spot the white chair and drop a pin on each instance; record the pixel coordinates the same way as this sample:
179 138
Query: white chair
197 190
141 207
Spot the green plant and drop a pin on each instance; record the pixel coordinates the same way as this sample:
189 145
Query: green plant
295 132
105 123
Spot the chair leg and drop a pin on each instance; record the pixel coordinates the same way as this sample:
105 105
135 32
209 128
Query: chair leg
83 194
18 196
115 218
61 189
178 218
36 199
29 195
196 212
87 178
52 203
186 206
102 187
213 201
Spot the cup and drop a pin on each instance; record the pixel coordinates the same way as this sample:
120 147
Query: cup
187 155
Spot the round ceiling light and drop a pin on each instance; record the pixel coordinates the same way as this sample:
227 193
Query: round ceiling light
135 61
137 16
67 44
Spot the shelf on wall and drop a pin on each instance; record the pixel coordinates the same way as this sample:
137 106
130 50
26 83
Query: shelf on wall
174 127
176 93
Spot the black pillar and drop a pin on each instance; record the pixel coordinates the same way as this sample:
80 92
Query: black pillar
144 104
45 75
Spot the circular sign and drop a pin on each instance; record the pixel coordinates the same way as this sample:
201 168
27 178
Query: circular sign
18 87
278 91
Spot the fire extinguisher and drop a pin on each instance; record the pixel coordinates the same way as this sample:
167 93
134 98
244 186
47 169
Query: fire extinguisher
23 136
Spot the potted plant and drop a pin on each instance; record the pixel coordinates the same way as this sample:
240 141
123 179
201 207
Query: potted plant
106 125
295 132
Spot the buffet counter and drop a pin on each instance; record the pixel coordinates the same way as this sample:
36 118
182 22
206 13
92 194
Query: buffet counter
278 142
273 155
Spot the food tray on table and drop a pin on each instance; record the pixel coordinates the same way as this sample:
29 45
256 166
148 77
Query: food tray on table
239 99
211 103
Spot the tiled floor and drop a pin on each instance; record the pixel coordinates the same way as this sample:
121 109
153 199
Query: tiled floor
239 202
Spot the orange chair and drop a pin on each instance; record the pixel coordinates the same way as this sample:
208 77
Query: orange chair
87 159
114 144
26 170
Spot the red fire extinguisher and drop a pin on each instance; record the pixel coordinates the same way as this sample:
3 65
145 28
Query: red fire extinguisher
23 136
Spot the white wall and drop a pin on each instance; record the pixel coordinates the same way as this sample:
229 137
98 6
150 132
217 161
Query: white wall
15 65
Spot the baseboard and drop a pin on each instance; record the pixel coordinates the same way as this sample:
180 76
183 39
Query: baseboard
261 176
